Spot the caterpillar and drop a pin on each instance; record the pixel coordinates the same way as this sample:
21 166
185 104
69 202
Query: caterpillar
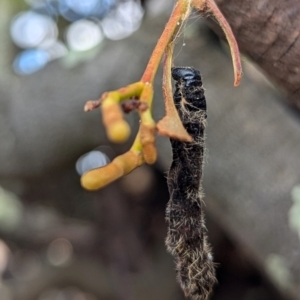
186 238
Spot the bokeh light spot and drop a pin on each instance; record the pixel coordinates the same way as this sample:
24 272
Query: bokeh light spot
57 50
83 35
11 210
30 61
84 8
91 160
60 252
123 21
73 10
30 29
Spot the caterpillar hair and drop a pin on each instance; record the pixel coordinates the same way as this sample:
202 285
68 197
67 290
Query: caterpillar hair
186 239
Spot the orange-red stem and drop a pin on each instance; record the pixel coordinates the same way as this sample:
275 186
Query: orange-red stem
178 16
234 49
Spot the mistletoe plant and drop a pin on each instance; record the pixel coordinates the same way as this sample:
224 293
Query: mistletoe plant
139 96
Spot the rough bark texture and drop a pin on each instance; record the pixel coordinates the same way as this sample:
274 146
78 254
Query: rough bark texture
268 32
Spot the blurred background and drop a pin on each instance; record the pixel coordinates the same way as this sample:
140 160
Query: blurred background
59 242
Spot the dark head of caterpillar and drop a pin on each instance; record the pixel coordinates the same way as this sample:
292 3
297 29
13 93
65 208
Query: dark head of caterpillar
186 74
188 86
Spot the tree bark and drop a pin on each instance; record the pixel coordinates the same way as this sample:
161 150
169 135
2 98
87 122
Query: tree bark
268 32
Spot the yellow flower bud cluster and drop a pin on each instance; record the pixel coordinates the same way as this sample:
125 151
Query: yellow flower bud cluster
118 131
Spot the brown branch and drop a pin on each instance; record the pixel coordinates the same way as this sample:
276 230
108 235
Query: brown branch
268 32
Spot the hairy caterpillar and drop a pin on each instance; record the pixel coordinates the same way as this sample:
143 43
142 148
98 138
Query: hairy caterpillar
186 239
